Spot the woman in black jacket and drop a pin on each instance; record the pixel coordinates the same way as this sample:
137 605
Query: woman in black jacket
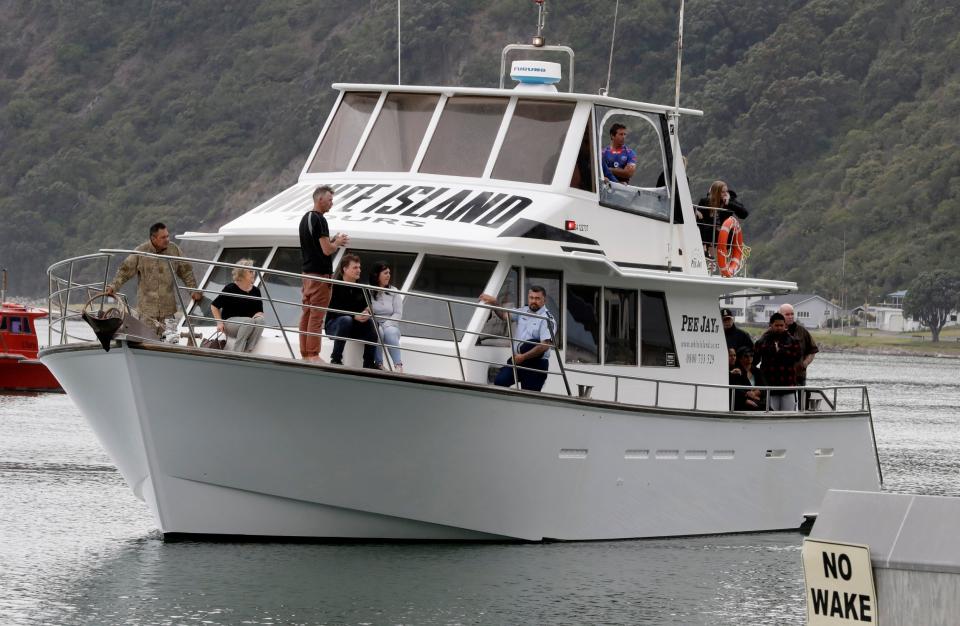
719 204
748 376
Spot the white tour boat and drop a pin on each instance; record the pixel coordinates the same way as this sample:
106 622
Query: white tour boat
464 191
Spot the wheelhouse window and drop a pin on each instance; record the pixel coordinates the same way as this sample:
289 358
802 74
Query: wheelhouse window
399 263
584 176
644 192
656 338
508 297
343 135
398 132
533 142
464 136
445 276
223 276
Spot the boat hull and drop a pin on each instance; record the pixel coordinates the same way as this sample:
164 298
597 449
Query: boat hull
21 374
222 444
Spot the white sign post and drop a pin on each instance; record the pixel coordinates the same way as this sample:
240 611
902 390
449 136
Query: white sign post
839 583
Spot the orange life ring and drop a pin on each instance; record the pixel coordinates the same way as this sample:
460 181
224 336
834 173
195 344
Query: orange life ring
730 248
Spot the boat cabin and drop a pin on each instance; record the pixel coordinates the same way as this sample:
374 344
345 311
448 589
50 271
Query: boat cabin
17 332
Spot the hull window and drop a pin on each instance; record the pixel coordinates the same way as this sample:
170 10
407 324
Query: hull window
445 276
656 338
344 132
397 134
534 139
552 282
222 276
399 263
464 136
583 324
620 326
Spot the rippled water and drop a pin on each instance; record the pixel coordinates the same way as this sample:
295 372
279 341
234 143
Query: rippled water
77 548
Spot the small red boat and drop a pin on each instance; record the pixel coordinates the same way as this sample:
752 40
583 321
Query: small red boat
19 368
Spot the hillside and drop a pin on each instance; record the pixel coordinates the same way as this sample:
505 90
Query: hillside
836 122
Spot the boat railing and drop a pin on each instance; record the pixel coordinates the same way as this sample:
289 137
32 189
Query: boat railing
84 277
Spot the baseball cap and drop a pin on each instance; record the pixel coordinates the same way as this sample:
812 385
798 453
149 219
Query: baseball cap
726 313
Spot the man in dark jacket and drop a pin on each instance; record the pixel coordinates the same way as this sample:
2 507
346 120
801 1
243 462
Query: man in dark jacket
736 337
808 347
779 354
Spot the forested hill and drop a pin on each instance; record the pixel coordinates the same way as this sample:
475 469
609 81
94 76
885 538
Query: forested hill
838 122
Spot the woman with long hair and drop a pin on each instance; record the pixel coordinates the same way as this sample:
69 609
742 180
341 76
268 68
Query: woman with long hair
719 204
388 308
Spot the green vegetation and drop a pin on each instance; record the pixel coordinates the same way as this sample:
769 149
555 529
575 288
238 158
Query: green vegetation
932 297
869 340
836 122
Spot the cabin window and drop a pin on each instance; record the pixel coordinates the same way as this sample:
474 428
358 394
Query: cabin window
344 132
222 276
582 318
445 276
551 281
534 140
284 288
620 326
397 134
508 297
583 176
464 136
656 338
645 192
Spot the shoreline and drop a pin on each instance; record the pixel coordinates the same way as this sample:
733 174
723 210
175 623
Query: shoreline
886 351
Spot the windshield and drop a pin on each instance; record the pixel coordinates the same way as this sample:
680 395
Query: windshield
532 146
398 132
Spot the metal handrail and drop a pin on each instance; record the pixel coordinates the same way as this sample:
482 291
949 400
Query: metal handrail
60 290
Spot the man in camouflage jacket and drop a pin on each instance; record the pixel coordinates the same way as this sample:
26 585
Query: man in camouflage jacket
156 299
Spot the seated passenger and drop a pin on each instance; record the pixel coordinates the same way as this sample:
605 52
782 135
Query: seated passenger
388 307
747 375
526 353
236 316
720 203
348 315
618 159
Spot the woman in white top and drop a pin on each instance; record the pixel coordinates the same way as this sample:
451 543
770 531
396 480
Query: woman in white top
388 308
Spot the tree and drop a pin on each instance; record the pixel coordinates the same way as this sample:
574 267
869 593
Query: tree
932 297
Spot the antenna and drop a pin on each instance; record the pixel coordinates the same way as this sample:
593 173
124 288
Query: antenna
398 43
538 39
674 139
613 38
3 286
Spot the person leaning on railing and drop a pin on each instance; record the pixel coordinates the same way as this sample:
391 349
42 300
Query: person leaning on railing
156 286
240 317
388 307
717 206
531 349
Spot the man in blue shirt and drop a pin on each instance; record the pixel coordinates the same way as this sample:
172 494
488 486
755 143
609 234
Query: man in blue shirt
618 159
532 341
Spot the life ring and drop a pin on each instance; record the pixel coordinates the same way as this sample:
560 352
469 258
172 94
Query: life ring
730 248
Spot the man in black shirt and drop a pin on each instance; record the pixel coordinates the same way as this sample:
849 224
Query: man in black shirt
349 314
736 337
317 249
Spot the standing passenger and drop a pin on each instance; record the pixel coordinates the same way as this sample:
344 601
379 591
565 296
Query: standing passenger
779 354
317 250
808 347
527 351
156 285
